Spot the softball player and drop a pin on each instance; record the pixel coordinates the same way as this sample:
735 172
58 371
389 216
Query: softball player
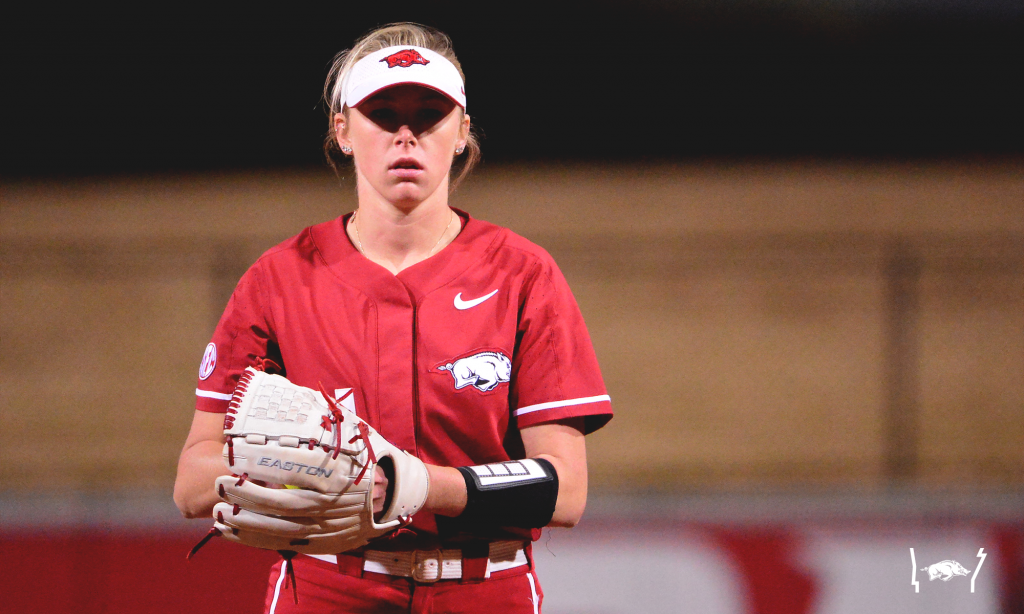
459 341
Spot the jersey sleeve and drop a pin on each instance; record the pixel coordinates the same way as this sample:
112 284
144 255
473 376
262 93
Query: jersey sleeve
243 335
555 374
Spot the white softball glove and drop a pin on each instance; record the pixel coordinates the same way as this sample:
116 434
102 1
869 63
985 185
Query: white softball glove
280 433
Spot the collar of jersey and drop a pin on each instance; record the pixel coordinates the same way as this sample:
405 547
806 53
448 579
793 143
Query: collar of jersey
347 263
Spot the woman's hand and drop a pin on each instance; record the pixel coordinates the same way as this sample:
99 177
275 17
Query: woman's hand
380 489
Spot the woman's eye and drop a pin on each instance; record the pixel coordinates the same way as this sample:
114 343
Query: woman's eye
431 115
382 114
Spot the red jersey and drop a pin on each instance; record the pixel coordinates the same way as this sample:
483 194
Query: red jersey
447 360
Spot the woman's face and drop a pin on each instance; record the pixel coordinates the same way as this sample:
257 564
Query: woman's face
403 140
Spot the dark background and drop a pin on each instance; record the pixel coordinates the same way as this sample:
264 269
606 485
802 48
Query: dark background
113 92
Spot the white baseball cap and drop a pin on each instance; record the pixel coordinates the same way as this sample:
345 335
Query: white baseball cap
402 64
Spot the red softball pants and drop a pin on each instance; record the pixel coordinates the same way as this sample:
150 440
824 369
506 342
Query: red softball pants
321 588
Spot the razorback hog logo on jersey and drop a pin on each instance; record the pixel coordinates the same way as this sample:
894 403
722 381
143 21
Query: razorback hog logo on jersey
405 58
483 370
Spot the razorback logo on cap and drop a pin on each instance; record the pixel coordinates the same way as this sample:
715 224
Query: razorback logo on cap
405 58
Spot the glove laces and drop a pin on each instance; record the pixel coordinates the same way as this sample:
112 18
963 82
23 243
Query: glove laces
336 417
329 423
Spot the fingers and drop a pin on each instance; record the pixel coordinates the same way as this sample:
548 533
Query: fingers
411 480
326 543
380 489
299 526
290 501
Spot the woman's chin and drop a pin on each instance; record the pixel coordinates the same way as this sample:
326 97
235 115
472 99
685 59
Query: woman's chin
408 193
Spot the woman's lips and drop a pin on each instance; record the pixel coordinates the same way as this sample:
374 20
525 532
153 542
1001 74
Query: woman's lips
405 172
406 168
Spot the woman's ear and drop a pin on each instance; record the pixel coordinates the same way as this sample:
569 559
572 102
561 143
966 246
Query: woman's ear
463 137
341 134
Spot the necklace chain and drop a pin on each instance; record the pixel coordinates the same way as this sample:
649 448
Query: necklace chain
359 244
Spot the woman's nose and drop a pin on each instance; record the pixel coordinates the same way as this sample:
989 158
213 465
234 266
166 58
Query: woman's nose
405 136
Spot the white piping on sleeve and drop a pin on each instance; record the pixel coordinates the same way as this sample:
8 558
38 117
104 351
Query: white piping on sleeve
213 395
566 403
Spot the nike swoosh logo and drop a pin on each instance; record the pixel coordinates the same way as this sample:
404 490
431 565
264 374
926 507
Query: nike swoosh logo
461 304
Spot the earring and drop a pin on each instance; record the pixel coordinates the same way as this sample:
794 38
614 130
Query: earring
460 149
346 149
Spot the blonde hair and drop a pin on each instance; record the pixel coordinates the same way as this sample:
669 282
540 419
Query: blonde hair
405 33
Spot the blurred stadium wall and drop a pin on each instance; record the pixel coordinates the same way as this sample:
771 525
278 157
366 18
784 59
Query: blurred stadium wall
815 367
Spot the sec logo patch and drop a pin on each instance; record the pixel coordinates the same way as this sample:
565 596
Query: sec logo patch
209 362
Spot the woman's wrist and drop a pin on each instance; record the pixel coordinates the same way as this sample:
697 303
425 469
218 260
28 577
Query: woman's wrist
447 493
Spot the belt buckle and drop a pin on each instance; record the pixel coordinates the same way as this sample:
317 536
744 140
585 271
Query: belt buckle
427 555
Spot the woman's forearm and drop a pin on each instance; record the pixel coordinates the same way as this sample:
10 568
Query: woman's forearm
198 467
572 491
562 444
447 495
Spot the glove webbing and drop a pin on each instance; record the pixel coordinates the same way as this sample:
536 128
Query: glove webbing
336 418
364 432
